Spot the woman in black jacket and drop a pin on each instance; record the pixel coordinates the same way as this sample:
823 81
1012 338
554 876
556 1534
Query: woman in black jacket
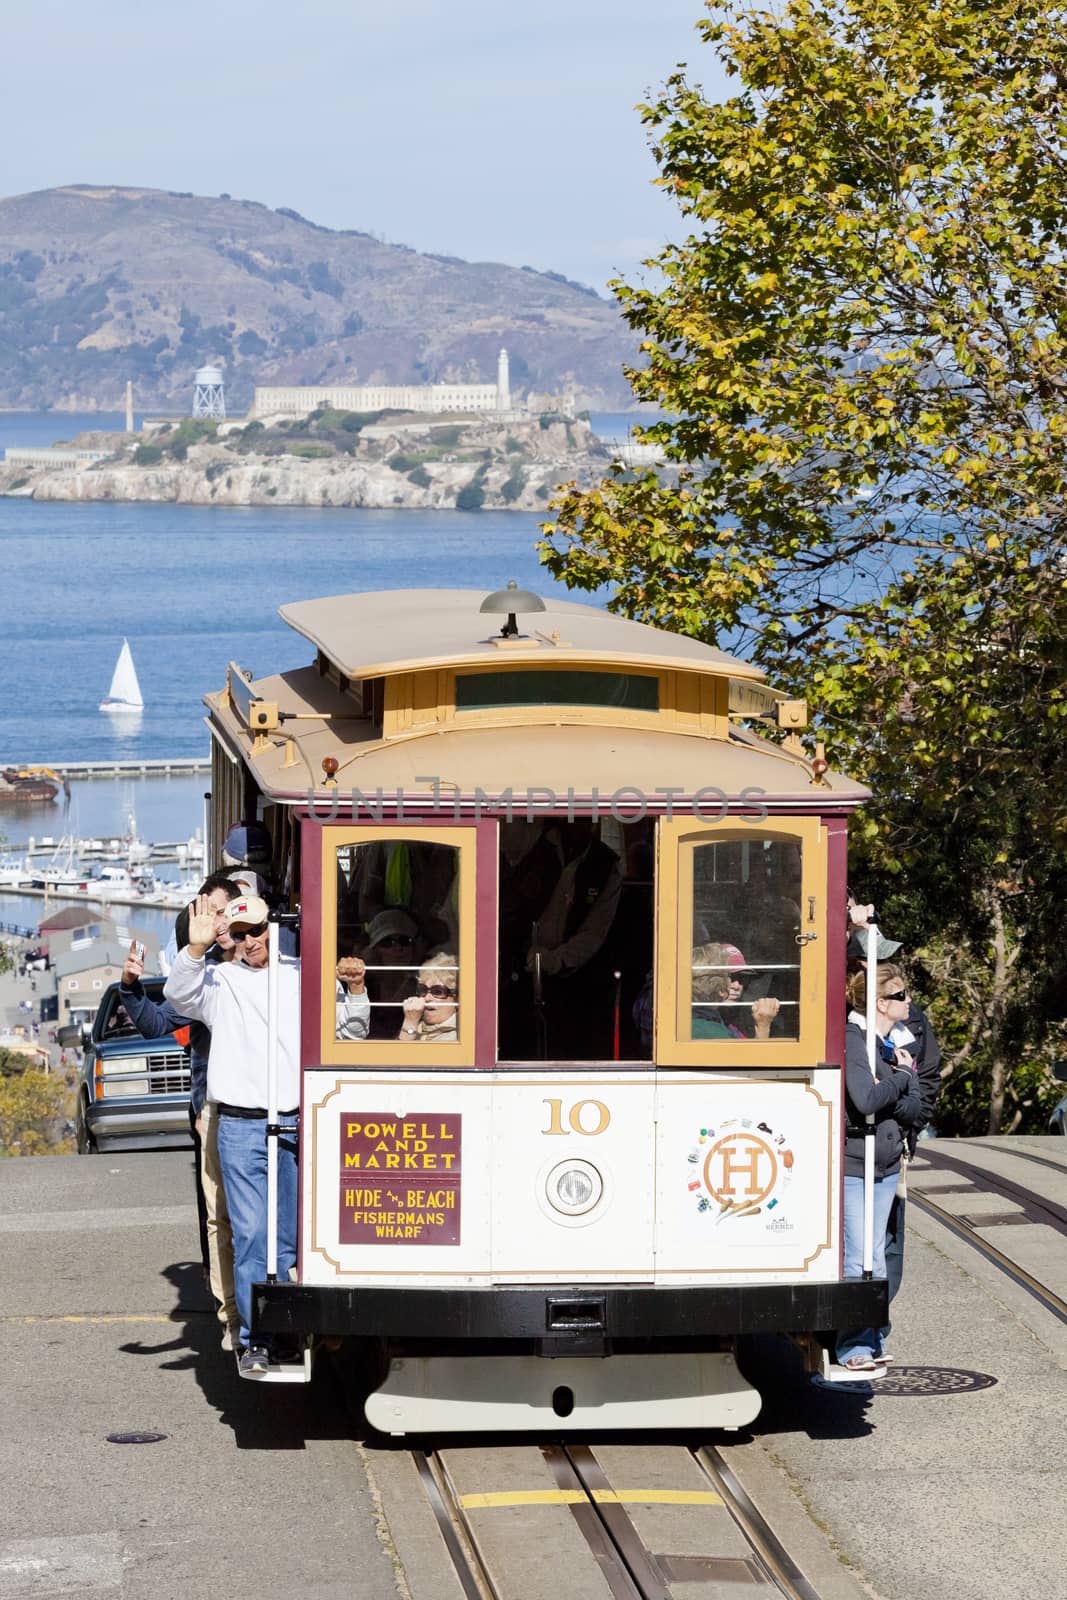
891 1094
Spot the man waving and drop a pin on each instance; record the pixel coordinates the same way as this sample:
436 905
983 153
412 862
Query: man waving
233 1001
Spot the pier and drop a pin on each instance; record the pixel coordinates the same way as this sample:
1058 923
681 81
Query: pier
170 898
161 767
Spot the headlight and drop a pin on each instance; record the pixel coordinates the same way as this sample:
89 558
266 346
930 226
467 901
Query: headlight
574 1187
119 1077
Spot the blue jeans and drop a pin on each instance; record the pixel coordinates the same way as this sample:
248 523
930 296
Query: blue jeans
894 1245
243 1158
865 1341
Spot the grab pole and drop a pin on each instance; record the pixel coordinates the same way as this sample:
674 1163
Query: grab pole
869 1129
272 1100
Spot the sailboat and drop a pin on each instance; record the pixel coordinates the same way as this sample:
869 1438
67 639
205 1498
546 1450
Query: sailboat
125 691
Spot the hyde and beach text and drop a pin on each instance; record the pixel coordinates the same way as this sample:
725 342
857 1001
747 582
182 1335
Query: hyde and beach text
400 1178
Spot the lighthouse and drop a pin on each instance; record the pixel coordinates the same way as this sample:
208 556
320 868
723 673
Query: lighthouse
503 383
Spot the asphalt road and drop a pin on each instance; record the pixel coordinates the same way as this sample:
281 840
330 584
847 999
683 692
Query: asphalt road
106 1328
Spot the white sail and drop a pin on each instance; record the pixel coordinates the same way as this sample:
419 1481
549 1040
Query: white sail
125 691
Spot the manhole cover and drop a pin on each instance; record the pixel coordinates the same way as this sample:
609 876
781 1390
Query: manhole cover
135 1438
903 1381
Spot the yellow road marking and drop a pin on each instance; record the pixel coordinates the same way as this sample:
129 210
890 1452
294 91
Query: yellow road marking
573 1497
29 1321
523 1497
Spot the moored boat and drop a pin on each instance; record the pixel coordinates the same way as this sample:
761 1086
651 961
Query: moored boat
27 783
15 872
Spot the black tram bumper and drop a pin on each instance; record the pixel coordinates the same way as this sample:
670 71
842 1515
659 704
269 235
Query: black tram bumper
568 1316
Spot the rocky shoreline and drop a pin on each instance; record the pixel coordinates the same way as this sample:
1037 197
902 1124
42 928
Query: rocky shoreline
462 464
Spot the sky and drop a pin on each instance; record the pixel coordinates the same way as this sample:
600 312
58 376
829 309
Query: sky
494 130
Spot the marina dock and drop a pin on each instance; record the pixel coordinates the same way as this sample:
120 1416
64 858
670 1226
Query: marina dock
161 767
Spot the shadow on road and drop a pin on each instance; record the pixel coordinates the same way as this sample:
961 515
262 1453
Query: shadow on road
262 1416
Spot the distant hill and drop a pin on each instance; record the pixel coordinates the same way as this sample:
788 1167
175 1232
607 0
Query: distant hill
98 285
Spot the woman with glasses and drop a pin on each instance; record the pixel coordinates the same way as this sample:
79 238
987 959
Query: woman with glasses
890 1093
430 1013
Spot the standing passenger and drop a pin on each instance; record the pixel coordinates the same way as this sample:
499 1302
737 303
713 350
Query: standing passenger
918 1037
152 1021
233 1001
891 1094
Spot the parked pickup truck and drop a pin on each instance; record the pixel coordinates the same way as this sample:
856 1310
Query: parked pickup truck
134 1092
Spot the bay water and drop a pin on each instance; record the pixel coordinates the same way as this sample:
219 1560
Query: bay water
192 588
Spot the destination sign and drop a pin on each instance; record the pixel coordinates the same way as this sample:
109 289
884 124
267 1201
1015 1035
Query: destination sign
400 1178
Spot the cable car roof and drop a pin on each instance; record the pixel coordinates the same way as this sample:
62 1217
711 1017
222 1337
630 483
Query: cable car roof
579 756
379 634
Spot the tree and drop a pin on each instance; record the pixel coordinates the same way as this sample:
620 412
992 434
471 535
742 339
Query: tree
862 344
34 1108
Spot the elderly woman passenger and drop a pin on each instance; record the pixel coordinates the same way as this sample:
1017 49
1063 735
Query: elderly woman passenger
430 1014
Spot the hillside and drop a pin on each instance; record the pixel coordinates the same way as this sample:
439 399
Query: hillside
98 285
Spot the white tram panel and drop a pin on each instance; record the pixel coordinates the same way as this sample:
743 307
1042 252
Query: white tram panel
395 1178
748 1177
572 1174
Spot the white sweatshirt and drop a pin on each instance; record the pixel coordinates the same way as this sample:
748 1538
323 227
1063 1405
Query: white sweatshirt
353 1014
231 998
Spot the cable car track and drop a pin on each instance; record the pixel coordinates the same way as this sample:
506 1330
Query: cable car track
1035 1208
1029 1155
630 1568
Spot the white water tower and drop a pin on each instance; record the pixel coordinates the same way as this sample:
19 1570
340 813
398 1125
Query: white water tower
208 397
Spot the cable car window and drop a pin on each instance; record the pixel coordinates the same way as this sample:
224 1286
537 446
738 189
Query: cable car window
744 959
486 691
398 942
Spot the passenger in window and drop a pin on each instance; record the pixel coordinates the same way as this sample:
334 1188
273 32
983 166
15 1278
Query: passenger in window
718 981
392 954
400 874
710 988
352 1003
430 1014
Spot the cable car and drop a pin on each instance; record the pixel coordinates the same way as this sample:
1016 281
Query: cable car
582 1129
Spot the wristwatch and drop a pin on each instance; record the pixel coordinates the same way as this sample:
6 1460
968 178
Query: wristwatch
414 1032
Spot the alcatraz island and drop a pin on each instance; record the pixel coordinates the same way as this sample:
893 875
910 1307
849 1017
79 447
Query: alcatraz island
443 446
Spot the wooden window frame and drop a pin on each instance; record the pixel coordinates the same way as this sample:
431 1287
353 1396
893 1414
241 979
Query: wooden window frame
396 1052
676 841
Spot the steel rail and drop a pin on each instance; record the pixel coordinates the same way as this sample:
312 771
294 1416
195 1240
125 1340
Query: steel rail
1029 1155
620 1552
455 1530
629 1568
1031 1202
972 1236
772 1555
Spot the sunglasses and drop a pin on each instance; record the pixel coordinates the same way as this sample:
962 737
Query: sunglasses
434 991
897 994
237 934
403 941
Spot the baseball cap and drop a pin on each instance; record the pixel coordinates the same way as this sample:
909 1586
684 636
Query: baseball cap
887 948
732 956
393 921
249 911
248 844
